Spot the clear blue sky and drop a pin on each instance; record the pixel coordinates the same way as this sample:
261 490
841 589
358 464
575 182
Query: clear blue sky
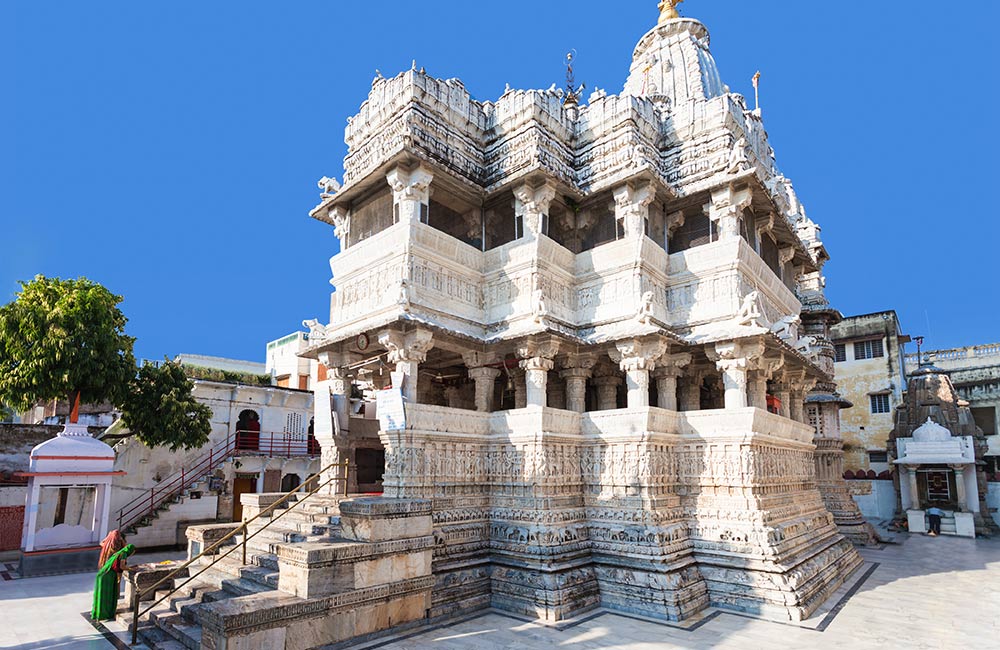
170 149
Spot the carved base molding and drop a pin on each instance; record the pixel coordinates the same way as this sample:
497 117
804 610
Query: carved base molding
549 513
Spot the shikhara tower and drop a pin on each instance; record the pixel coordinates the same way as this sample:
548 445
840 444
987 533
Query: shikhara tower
588 309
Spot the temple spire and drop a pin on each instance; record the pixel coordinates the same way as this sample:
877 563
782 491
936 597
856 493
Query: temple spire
668 10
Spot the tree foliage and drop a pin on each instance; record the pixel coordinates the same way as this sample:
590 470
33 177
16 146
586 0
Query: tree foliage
160 409
61 336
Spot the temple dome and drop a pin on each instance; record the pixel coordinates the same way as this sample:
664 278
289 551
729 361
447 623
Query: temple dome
931 431
672 63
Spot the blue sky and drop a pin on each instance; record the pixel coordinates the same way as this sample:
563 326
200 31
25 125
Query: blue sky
170 150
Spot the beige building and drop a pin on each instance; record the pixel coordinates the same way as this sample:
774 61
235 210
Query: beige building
868 364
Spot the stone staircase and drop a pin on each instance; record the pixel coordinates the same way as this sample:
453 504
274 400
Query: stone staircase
149 519
176 623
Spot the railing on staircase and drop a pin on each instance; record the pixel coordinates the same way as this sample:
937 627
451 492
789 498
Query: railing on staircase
285 445
137 596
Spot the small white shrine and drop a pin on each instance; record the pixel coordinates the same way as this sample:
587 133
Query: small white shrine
936 463
66 514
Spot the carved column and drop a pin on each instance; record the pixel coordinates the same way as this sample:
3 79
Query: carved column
520 390
410 192
783 391
637 358
331 421
536 376
632 207
732 358
607 388
407 352
532 206
690 390
536 361
757 389
963 505
796 408
576 373
726 209
484 376
668 370
911 472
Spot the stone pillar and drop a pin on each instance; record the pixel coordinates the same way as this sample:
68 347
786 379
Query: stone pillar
636 358
726 209
410 192
407 352
607 391
796 407
485 377
556 392
632 207
963 504
783 391
576 373
732 358
532 206
536 377
757 389
911 471
668 370
690 391
520 389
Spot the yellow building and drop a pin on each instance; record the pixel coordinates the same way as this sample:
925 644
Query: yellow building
870 373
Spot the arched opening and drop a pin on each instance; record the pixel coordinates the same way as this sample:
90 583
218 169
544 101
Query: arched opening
289 482
248 431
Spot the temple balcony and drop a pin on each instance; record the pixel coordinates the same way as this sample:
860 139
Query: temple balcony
708 282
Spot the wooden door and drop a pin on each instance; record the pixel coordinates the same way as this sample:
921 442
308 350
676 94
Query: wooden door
241 486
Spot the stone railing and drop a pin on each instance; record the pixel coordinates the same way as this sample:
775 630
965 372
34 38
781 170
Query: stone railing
979 353
716 423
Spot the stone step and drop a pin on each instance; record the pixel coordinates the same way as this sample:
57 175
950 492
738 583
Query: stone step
180 629
158 639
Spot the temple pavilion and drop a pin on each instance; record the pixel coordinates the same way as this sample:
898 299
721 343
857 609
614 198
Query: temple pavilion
587 309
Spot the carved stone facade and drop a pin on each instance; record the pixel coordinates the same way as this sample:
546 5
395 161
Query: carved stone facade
588 310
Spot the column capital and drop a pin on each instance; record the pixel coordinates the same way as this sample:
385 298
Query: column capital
484 373
672 365
537 363
607 380
531 203
547 349
341 224
632 206
476 359
637 354
410 185
735 354
409 347
958 467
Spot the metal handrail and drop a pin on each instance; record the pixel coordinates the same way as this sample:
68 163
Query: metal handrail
136 595
147 502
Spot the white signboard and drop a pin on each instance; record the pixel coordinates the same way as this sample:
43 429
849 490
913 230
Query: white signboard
389 404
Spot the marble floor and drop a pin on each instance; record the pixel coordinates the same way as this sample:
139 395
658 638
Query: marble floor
925 592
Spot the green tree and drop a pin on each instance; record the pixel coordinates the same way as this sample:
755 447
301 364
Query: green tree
160 409
64 339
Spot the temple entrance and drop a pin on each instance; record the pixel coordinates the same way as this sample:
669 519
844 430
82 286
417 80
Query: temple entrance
937 486
371 468
248 431
242 485
290 482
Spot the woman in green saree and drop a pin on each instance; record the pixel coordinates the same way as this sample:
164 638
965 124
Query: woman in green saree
107 585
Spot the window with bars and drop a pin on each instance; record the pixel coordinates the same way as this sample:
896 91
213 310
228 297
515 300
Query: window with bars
840 352
880 403
871 349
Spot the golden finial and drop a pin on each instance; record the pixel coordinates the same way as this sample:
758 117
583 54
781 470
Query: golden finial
668 10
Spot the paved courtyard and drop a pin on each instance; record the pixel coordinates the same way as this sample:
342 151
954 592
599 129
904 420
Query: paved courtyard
923 593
